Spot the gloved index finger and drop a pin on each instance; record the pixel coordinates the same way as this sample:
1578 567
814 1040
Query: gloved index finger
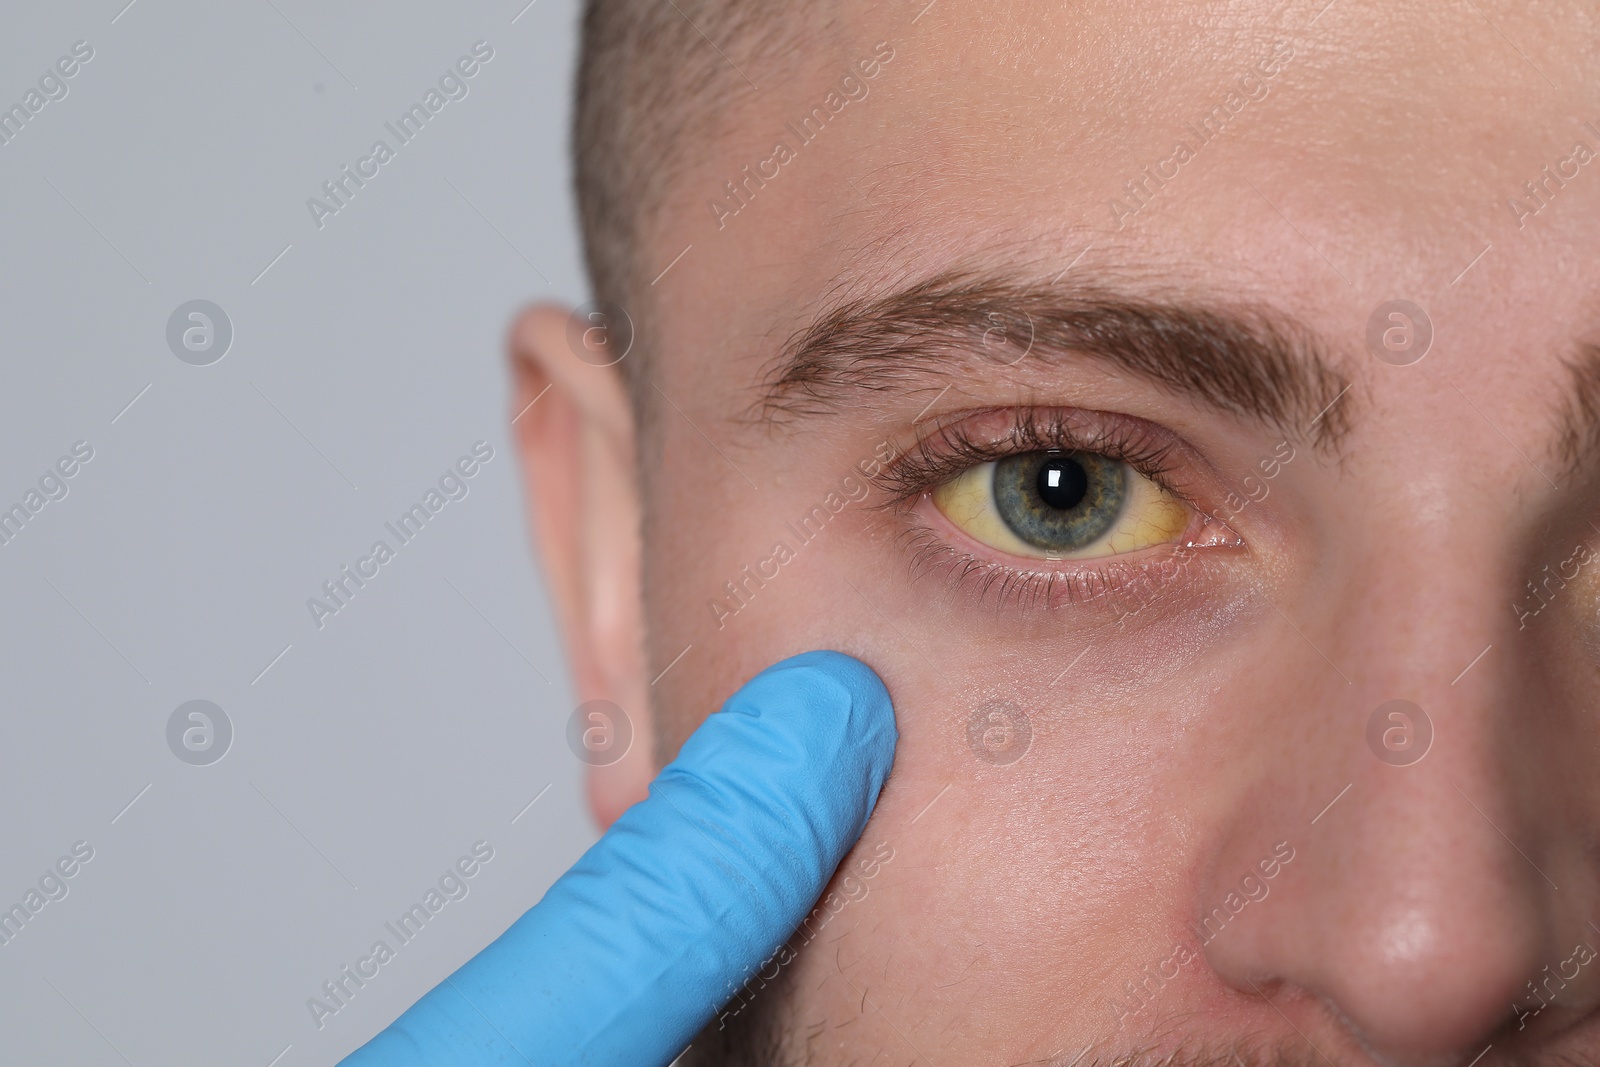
636 947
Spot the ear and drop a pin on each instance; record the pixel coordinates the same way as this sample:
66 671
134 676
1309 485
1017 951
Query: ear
574 428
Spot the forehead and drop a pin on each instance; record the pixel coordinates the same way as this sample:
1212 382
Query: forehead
1324 158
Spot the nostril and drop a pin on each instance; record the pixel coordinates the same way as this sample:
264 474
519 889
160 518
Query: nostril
1408 985
1413 947
1422 898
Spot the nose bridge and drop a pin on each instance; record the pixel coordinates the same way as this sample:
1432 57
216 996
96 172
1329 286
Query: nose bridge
1423 898
1420 601
1458 708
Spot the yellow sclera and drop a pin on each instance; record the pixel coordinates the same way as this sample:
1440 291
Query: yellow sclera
1149 516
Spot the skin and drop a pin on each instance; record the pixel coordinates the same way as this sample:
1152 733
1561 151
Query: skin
1184 746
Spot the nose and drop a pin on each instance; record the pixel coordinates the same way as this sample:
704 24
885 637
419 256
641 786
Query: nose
1429 900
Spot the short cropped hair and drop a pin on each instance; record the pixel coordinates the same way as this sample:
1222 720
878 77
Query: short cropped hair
654 84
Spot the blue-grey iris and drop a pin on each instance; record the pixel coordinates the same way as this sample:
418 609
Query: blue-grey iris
1060 501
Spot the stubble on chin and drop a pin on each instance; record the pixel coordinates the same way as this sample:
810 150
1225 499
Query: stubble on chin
754 1034
767 1033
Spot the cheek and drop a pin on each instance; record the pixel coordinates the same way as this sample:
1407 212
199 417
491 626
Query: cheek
1018 877
1148 653
1008 890
1024 882
719 585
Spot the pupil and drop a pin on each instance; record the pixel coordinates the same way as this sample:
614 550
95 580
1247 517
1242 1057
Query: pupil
1062 482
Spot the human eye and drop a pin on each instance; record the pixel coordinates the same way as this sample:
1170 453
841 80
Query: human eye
1055 503
1061 504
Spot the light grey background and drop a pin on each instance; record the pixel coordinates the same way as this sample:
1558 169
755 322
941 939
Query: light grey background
370 754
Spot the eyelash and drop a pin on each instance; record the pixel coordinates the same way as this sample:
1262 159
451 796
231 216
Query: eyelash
952 448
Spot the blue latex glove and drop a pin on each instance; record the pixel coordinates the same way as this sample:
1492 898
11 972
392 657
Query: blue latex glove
636 947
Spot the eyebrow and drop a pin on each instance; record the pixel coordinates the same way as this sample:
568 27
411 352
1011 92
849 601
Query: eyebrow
1578 443
1245 360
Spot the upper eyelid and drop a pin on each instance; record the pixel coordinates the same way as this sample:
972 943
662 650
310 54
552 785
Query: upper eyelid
1154 452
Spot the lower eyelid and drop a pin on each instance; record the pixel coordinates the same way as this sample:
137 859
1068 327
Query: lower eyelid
1007 588
933 544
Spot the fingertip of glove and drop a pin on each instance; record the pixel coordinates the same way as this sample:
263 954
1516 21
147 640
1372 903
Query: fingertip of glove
827 681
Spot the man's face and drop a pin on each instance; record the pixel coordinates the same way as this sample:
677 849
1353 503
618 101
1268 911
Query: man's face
1150 795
